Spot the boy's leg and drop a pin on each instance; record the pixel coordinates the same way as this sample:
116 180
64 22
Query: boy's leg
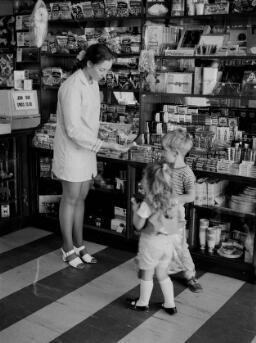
189 271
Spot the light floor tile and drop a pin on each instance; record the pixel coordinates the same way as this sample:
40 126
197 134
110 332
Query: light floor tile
34 333
194 309
75 307
21 237
254 340
28 273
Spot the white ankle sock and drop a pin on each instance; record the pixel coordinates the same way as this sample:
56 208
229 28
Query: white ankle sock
167 289
146 288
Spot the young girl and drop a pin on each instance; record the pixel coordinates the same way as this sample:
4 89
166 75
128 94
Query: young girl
157 218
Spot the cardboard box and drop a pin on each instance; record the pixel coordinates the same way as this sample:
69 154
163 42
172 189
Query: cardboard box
20 107
180 83
118 225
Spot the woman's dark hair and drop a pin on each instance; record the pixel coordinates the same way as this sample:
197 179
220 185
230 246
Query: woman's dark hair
96 53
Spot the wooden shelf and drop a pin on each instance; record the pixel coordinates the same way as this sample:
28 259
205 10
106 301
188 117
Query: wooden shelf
118 89
8 179
216 257
210 96
59 54
225 210
236 268
113 192
73 55
50 88
109 231
231 177
208 57
92 20
207 17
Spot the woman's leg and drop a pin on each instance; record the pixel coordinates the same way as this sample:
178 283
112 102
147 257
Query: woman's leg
79 214
79 225
70 194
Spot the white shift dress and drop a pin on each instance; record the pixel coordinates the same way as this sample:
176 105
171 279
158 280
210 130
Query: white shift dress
75 141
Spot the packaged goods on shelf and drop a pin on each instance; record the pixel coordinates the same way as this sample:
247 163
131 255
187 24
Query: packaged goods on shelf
159 37
60 10
157 7
54 76
118 225
44 136
248 246
178 8
217 8
5 211
135 8
117 132
230 249
82 10
6 70
45 166
24 39
244 202
249 83
239 6
5 126
49 204
210 192
22 22
120 212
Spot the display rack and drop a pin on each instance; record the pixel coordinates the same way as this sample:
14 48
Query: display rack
149 104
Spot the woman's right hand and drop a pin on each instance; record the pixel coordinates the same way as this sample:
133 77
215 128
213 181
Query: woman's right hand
115 146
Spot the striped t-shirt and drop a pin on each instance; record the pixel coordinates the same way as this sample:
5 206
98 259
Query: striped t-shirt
183 180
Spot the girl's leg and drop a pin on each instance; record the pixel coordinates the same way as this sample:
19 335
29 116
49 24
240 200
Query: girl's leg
166 287
70 195
146 287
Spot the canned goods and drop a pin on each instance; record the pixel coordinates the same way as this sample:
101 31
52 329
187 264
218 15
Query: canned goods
204 222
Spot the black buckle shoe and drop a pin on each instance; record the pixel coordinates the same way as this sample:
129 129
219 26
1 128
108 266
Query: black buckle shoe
170 310
132 304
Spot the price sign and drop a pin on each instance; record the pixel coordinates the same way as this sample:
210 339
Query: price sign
24 101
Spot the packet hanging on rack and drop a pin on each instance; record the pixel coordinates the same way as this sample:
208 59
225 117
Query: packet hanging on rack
111 8
123 8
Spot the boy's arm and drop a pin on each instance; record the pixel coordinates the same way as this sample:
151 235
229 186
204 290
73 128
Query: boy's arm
189 180
187 197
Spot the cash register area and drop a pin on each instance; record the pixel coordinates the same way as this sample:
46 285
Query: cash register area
45 300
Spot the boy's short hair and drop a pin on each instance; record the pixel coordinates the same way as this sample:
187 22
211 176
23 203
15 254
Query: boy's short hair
178 140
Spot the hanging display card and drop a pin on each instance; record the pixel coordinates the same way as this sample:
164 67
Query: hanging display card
24 101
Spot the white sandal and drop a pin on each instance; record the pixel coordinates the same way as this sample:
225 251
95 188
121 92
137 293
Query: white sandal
75 262
86 258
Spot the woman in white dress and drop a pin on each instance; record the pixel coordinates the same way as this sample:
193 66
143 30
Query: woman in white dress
75 146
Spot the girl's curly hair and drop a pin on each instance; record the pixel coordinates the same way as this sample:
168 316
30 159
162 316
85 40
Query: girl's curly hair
158 186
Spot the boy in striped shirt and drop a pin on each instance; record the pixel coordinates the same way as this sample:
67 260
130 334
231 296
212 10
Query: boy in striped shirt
176 145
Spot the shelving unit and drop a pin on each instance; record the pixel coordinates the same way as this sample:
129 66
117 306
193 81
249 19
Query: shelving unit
149 103
15 180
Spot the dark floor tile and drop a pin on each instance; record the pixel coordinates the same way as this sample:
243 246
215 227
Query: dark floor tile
115 320
234 322
34 297
27 252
